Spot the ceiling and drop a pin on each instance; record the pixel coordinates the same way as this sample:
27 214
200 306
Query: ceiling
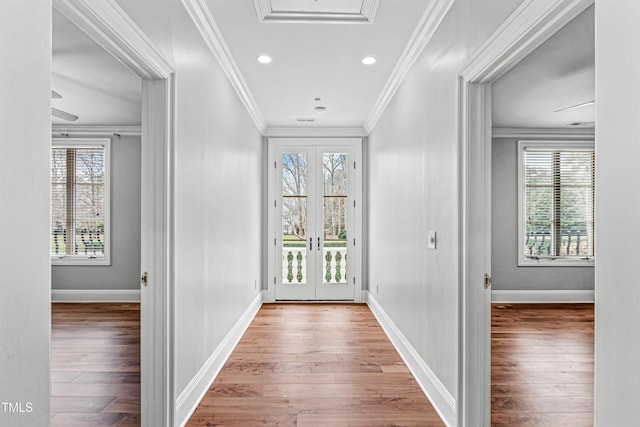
558 74
316 60
93 84
319 64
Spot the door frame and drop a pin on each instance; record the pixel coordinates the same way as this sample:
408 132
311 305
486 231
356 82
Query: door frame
356 143
531 24
109 25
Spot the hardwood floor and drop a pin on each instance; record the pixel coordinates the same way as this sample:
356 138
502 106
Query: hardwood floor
95 366
542 365
315 365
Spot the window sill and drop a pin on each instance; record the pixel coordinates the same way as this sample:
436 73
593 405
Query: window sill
556 262
79 261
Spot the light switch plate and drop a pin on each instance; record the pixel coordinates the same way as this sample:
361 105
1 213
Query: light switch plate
431 240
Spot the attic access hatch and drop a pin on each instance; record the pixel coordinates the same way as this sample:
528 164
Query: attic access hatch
330 11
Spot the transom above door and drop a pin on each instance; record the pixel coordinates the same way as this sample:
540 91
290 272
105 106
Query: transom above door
314 219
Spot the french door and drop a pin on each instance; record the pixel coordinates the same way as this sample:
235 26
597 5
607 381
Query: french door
315 219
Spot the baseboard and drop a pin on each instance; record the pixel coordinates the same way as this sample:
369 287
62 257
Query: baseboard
547 296
443 402
193 393
93 295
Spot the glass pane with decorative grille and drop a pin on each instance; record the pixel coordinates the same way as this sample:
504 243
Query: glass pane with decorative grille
294 218
335 184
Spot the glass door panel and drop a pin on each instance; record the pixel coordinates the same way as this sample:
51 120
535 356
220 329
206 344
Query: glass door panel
294 218
295 187
334 217
334 222
314 220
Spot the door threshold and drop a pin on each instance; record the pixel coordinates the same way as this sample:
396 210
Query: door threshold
289 301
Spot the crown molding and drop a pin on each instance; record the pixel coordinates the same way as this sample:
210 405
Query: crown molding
267 14
314 132
429 23
67 130
110 26
564 133
533 20
206 25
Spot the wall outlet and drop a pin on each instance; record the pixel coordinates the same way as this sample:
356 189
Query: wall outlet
377 288
255 284
431 240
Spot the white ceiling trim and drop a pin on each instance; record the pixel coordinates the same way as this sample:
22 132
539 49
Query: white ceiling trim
110 26
66 130
547 133
267 14
206 25
314 132
431 19
504 49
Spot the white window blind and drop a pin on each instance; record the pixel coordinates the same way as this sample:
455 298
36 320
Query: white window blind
557 208
79 200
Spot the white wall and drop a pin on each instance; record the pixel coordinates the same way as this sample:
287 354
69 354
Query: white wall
414 187
25 124
618 203
218 192
124 271
505 273
218 205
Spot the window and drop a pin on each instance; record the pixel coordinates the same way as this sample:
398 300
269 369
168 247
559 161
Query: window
556 194
80 201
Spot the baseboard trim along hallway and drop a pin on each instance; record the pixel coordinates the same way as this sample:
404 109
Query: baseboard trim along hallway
443 402
188 400
542 296
93 295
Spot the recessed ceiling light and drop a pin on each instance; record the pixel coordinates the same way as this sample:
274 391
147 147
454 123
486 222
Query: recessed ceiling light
369 60
264 59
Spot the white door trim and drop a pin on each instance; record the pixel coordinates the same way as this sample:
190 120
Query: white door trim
110 26
157 257
527 28
271 197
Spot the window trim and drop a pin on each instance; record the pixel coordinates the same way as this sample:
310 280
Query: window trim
556 145
84 260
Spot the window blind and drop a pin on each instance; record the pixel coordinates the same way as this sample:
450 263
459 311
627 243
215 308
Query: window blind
559 203
77 201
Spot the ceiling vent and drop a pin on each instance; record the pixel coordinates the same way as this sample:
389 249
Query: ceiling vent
327 11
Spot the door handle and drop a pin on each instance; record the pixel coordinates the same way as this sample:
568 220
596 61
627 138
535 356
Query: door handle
318 243
310 243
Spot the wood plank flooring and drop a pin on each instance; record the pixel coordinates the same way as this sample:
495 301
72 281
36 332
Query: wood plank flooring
95 365
542 365
315 365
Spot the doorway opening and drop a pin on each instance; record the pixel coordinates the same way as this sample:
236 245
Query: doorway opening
315 219
110 27
543 175
526 29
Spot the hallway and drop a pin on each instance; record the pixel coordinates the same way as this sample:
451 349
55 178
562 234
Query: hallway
320 364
